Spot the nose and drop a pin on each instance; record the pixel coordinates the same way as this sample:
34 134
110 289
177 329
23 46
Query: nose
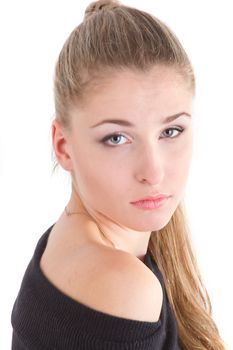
150 165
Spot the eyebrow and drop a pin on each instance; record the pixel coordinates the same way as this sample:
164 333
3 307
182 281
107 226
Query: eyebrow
127 123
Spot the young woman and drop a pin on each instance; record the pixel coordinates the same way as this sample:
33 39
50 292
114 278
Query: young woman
117 270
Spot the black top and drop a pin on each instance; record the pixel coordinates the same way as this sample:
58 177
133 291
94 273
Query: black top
43 318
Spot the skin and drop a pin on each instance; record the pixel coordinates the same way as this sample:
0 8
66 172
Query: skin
148 158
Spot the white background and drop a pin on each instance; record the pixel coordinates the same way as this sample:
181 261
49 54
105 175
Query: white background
31 199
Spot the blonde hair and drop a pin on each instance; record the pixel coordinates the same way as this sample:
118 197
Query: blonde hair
113 37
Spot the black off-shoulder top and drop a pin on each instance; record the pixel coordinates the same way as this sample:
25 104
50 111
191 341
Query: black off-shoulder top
44 318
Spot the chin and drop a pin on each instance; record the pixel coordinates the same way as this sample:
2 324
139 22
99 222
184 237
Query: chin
155 224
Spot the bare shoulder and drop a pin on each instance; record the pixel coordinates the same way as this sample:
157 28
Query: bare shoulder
127 288
110 281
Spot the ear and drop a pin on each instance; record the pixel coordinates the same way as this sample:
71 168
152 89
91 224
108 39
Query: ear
61 145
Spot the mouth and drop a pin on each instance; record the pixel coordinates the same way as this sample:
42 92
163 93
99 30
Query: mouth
151 203
151 198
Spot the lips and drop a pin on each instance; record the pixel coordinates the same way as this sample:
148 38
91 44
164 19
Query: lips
151 198
151 202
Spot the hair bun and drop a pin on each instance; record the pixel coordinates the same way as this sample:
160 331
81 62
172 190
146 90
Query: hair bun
99 6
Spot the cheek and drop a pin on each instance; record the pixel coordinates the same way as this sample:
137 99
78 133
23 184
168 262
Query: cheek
179 156
183 150
96 177
180 166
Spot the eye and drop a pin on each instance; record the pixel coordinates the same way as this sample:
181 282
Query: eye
114 137
179 129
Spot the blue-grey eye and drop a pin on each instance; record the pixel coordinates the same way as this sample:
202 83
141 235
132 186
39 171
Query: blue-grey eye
180 130
113 137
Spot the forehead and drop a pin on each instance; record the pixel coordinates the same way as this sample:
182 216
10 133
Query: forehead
159 92
130 82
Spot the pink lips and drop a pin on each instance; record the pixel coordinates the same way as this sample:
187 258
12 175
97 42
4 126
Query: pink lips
151 202
149 198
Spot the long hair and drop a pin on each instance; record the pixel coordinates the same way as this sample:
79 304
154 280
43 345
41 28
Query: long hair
112 37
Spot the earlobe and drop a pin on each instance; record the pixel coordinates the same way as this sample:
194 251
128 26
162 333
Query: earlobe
61 145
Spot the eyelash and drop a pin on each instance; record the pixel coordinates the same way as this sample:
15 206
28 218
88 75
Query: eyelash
108 137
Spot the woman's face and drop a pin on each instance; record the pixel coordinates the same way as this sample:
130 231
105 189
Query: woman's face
114 164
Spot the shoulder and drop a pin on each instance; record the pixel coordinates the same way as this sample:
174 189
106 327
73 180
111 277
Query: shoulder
126 287
113 282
